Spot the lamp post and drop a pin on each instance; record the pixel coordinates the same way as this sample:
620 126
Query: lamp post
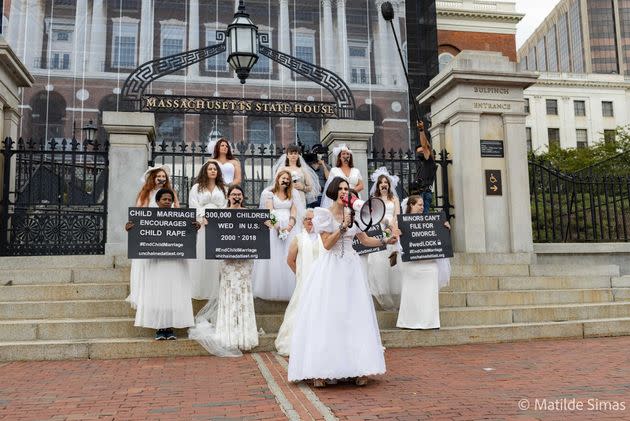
242 43
89 131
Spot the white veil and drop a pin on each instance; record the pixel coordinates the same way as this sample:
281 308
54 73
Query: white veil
326 202
312 195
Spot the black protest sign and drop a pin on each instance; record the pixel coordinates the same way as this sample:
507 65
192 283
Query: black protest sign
424 236
162 233
237 234
374 231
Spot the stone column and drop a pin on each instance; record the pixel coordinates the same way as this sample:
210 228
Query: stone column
80 34
327 34
284 40
146 32
34 32
98 37
14 29
356 135
343 68
381 61
193 34
480 99
129 137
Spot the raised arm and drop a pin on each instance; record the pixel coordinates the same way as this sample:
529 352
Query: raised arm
424 142
237 172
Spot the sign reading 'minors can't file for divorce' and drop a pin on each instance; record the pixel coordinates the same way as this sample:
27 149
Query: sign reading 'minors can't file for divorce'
162 233
424 236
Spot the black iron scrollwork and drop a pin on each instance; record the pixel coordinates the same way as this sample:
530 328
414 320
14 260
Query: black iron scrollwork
323 77
137 82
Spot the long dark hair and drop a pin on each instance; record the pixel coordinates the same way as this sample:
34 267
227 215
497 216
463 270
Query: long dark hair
215 152
412 200
203 180
333 188
377 191
292 148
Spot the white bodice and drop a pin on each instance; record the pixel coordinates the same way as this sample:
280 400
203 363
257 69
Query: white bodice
152 202
205 199
227 170
352 179
323 221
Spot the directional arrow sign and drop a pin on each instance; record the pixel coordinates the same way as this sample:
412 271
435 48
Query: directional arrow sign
494 187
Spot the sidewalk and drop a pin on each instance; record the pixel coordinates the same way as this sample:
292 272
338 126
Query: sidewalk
567 379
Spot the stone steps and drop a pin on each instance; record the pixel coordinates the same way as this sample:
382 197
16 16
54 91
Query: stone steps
63 292
392 338
122 327
63 276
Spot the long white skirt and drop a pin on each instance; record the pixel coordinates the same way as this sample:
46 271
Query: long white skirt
204 273
419 298
283 340
384 280
336 333
135 281
273 280
165 298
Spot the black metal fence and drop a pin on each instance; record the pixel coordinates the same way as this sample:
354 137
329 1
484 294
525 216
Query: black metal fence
54 197
186 159
404 165
581 207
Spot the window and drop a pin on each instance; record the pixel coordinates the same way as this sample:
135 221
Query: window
581 138
553 136
308 132
443 60
304 46
60 61
263 65
610 136
173 38
527 105
607 109
62 35
217 63
124 44
552 106
359 64
579 107
260 130
528 139
170 127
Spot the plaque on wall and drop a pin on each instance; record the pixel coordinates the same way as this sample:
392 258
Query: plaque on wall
494 187
491 148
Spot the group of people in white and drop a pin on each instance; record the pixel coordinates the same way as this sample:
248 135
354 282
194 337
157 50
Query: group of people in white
330 329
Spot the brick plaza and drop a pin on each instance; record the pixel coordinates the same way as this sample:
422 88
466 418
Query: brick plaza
466 382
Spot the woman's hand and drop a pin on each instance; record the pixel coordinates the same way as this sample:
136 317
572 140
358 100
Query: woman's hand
447 225
392 240
268 223
197 225
347 220
129 225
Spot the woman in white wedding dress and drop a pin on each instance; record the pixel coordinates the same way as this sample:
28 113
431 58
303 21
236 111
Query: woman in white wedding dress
303 252
229 327
154 179
207 193
336 333
273 280
230 166
305 180
383 278
421 282
344 168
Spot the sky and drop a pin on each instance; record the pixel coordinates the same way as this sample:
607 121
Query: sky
535 12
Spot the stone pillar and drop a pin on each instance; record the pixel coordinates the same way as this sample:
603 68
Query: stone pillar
284 40
129 137
146 32
327 34
14 29
343 68
34 32
480 98
80 35
193 34
98 37
356 135
381 61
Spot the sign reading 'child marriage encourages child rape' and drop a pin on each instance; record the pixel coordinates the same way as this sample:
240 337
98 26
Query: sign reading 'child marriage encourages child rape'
162 233
424 236
238 234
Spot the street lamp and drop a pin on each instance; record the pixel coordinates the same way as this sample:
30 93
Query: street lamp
243 43
90 130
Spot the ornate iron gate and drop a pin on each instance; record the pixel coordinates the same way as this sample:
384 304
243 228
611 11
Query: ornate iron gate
404 165
54 197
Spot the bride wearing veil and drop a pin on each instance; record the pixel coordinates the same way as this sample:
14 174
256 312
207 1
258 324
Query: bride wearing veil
304 179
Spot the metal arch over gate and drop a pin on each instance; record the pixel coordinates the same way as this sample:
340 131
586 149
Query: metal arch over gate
134 88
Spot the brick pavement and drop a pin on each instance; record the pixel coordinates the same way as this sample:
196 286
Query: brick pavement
467 382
